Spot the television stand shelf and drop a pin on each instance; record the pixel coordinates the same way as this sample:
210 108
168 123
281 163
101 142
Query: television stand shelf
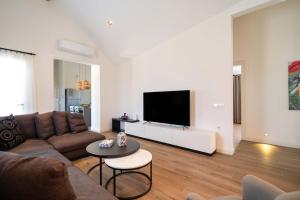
118 124
202 141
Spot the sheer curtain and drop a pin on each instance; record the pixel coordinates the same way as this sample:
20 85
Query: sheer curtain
17 83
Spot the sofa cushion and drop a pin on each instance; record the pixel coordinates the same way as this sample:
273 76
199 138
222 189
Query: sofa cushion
44 125
31 145
70 142
76 153
23 178
77 123
10 133
60 122
85 188
27 124
49 153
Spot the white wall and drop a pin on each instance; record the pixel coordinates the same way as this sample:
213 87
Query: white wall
95 91
35 26
188 61
265 41
199 59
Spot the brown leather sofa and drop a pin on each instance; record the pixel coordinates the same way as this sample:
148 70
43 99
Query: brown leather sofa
62 147
71 145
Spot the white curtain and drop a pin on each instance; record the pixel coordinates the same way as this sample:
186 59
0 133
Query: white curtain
17 83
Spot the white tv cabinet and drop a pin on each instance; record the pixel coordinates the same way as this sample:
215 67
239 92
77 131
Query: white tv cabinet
202 141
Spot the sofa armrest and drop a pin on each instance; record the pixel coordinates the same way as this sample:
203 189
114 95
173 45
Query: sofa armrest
289 196
194 196
257 189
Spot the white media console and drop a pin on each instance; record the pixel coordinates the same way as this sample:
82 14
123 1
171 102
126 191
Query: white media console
193 139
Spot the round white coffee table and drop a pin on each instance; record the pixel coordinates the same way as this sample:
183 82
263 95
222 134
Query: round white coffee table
129 164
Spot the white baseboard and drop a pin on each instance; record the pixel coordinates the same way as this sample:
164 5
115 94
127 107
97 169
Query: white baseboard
226 151
273 142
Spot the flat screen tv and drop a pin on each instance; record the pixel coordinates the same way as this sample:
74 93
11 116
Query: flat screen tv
171 107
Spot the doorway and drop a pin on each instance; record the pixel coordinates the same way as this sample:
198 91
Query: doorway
72 86
237 103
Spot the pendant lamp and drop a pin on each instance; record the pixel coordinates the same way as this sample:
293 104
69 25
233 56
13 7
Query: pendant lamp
79 85
86 85
79 82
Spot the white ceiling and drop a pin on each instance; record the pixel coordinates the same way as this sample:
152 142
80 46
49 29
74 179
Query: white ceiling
138 25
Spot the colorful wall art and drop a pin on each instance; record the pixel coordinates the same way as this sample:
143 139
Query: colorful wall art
294 85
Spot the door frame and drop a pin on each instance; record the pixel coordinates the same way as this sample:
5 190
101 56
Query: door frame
95 90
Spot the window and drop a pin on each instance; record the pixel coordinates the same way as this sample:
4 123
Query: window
17 83
237 70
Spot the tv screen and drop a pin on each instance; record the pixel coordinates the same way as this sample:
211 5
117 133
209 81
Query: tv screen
172 107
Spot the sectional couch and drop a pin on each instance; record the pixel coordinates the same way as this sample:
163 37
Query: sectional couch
42 133
60 142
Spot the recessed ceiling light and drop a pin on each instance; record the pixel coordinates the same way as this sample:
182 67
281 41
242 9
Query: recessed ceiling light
109 22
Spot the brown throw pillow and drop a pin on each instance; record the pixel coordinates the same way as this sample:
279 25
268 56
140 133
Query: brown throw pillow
27 124
10 133
23 178
77 123
60 122
44 125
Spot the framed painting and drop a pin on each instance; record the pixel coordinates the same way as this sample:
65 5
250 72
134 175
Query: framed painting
294 85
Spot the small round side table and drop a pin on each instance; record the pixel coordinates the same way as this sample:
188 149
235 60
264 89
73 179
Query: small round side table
129 164
113 152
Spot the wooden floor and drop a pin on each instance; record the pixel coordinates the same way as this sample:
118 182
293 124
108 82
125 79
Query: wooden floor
177 172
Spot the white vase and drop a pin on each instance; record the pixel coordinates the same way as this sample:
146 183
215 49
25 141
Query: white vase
122 139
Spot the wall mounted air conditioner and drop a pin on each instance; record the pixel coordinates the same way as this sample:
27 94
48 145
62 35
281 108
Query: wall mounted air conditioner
75 48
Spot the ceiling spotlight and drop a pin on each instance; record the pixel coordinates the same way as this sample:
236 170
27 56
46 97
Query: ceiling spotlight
109 22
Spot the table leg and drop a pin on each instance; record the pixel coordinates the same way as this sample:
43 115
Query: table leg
151 171
114 175
100 170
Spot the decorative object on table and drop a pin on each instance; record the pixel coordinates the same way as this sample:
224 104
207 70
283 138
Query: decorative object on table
124 117
106 143
294 85
122 139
